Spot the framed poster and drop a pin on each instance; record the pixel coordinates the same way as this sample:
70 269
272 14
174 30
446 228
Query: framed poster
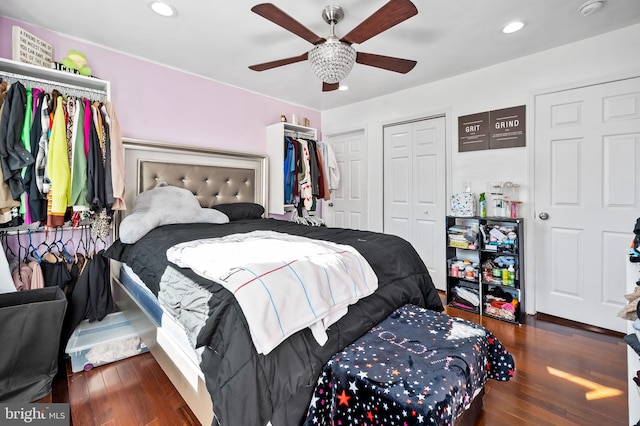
508 127
473 132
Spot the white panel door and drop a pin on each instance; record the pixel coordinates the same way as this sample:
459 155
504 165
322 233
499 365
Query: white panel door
587 168
348 205
398 175
414 189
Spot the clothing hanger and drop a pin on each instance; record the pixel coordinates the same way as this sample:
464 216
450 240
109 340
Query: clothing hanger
34 251
104 243
70 242
5 244
82 245
62 249
49 254
21 247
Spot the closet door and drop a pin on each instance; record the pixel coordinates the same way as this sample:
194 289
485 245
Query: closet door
348 205
414 189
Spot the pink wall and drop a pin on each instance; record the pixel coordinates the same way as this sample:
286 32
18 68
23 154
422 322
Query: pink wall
158 103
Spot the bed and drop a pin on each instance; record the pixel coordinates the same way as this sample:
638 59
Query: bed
246 387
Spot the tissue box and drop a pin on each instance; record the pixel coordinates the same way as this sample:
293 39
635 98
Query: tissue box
463 204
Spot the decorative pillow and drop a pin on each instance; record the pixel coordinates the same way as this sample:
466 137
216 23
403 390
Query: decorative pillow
239 211
165 205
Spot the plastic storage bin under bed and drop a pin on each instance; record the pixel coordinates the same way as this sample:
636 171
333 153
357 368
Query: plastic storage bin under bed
100 342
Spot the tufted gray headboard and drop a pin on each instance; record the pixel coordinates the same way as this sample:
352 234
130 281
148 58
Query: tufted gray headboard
214 177
210 184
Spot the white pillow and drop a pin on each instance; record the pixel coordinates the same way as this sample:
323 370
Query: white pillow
165 205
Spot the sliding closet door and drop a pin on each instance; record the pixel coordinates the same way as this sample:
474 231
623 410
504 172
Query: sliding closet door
414 189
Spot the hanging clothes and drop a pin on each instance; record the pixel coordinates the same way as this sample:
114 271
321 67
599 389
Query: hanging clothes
117 158
95 169
91 298
13 156
306 172
7 203
36 200
313 167
326 194
91 185
289 170
106 158
58 168
26 143
55 273
37 277
41 175
78 188
21 276
331 165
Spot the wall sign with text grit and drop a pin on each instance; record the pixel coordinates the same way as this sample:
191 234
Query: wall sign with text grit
473 132
502 128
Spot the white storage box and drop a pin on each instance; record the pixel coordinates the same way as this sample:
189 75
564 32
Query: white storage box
101 342
463 204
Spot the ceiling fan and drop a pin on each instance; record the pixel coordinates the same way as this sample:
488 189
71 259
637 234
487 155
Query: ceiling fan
332 58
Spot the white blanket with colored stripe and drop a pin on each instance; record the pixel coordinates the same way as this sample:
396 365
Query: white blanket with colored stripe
282 282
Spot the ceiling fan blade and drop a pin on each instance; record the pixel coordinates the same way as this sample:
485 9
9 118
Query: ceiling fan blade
389 15
386 62
277 16
329 87
280 62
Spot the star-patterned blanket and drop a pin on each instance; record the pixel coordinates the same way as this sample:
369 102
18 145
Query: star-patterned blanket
416 367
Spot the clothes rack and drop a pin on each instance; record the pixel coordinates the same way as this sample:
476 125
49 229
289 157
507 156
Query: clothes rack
297 134
72 89
95 94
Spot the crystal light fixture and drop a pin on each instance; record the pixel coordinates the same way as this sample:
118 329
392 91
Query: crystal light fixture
332 60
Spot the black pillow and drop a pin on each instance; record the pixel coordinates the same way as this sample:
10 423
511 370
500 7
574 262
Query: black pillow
239 211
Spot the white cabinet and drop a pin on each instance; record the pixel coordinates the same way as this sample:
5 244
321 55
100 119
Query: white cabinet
633 359
275 151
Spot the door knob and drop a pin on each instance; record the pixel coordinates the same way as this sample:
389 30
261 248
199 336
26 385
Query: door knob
544 215
330 204
426 212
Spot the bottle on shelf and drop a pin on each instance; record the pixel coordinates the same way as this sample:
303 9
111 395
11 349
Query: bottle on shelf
511 275
483 205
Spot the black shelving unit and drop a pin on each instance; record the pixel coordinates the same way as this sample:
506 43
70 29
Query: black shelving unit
479 252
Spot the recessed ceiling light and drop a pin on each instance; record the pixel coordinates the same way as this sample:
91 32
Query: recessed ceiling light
512 27
343 87
162 9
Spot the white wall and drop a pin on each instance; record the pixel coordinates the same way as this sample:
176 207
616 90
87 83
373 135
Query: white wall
598 59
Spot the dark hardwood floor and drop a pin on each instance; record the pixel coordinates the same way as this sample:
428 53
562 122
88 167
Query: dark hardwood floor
564 376
132 391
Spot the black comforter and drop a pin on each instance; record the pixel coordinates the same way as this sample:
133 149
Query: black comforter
251 389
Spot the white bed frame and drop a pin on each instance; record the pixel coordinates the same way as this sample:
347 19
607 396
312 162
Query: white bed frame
211 176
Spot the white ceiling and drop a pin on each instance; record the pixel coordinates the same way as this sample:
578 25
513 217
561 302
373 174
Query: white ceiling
219 40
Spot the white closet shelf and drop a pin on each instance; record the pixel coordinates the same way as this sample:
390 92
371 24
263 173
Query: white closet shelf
14 69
